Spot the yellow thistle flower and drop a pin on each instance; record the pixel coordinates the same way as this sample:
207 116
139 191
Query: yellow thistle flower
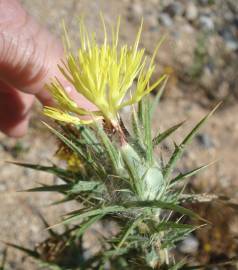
104 74
73 162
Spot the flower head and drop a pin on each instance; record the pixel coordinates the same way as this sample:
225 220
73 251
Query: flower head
72 160
105 75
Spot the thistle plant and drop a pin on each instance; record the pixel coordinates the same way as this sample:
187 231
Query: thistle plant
113 172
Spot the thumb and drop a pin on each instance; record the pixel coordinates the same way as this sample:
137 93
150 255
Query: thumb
29 56
28 53
28 59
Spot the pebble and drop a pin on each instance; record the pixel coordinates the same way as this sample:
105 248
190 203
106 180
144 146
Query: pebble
205 140
206 23
189 245
187 28
225 33
165 19
207 79
3 187
152 22
235 22
228 16
174 9
232 45
203 2
230 41
136 11
191 12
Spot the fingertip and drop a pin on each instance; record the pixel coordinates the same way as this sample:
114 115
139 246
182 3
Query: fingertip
17 131
45 98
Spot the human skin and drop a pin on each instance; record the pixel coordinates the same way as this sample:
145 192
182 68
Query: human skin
29 56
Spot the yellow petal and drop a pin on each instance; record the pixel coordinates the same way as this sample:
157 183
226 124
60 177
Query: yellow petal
60 115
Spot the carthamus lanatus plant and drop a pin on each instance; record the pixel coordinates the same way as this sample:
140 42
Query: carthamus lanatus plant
113 172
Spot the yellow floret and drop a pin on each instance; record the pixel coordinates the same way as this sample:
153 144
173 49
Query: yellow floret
104 74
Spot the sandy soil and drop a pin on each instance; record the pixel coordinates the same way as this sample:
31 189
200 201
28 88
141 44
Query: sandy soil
218 140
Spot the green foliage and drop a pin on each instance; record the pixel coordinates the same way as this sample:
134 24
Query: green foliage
200 57
121 180
3 259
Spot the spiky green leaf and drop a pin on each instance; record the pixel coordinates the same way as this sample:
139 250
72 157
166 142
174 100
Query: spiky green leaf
180 149
59 172
183 176
111 151
158 96
161 205
162 136
86 225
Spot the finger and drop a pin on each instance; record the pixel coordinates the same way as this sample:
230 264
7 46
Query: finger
29 56
28 53
14 110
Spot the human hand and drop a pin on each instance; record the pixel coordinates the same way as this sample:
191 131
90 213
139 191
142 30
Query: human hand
29 55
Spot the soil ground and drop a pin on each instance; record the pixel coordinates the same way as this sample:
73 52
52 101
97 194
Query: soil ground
188 97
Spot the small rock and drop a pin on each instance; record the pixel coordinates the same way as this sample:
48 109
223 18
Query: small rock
223 90
87 254
204 2
230 40
136 11
174 9
165 20
205 140
228 16
154 2
152 21
189 245
225 33
206 23
207 78
3 187
232 45
191 12
235 22
187 28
